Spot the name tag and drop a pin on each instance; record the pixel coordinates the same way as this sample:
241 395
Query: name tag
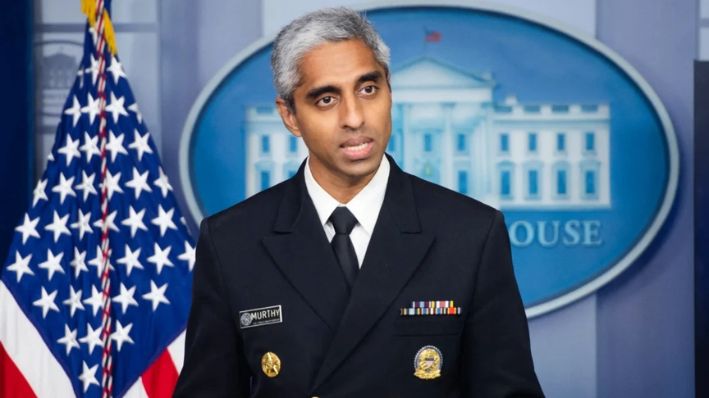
260 316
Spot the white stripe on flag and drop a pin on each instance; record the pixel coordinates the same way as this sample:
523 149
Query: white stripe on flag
29 352
137 390
177 351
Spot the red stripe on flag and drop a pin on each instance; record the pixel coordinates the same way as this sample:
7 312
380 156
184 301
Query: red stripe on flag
160 378
12 382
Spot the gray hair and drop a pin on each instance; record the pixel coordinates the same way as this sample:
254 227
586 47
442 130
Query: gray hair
312 30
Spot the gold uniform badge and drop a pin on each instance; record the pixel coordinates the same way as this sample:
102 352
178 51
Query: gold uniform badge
270 364
428 362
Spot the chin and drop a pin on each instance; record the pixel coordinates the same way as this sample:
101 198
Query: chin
363 168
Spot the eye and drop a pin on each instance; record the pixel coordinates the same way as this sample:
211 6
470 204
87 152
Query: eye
325 101
369 90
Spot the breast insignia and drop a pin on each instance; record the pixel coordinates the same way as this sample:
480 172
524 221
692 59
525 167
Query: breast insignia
428 362
271 364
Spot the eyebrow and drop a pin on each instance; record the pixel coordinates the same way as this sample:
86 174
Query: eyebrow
314 93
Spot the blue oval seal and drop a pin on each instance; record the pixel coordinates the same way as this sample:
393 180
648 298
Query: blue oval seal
544 123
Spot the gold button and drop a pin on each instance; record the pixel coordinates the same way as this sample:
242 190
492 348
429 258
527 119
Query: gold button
270 364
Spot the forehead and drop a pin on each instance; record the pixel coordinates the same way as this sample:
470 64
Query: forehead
337 63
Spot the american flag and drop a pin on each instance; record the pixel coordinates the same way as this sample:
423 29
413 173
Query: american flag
432 36
95 292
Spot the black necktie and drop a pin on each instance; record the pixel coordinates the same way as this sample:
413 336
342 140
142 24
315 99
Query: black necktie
344 221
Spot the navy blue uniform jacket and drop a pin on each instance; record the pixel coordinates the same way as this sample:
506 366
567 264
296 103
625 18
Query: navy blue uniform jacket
429 243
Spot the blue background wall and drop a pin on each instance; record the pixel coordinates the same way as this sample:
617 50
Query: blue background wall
633 338
16 112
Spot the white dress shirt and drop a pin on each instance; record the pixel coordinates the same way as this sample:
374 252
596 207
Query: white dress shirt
364 206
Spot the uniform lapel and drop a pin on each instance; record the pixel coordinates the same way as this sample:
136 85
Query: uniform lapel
301 251
395 250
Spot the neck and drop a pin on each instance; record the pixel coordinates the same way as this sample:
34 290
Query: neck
342 190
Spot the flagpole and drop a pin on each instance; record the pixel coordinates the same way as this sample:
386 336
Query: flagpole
101 19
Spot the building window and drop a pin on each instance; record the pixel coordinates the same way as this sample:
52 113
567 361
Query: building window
265 144
504 143
532 142
391 148
265 177
560 142
292 144
561 182
290 169
461 142
506 183
533 183
589 180
427 142
463 182
590 142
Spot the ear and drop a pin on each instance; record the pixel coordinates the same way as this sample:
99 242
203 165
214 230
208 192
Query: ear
288 116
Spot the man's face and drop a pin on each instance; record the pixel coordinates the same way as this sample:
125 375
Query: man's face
342 112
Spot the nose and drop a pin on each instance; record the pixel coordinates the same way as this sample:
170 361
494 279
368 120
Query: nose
351 113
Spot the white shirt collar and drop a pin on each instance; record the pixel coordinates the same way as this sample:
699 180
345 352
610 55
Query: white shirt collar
365 205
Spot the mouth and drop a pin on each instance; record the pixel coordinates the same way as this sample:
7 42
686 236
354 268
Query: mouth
357 148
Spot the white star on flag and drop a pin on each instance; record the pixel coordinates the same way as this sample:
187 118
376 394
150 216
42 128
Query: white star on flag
46 301
156 295
92 338
163 183
160 257
115 145
188 255
78 262
69 339
74 111
95 300
21 266
134 108
164 220
121 335
70 150
88 375
83 224
74 301
58 226
134 221
93 69
116 70
97 261
86 185
126 298
130 259
63 188
139 183
112 184
116 107
28 228
92 107
39 192
140 144
52 264
110 221
90 147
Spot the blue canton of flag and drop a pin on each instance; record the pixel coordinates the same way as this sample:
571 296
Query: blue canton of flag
53 271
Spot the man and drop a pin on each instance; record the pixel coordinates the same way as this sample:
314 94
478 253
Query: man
353 278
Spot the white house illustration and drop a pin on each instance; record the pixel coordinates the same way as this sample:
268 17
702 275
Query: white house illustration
448 129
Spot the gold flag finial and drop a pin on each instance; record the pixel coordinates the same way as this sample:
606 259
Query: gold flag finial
88 7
